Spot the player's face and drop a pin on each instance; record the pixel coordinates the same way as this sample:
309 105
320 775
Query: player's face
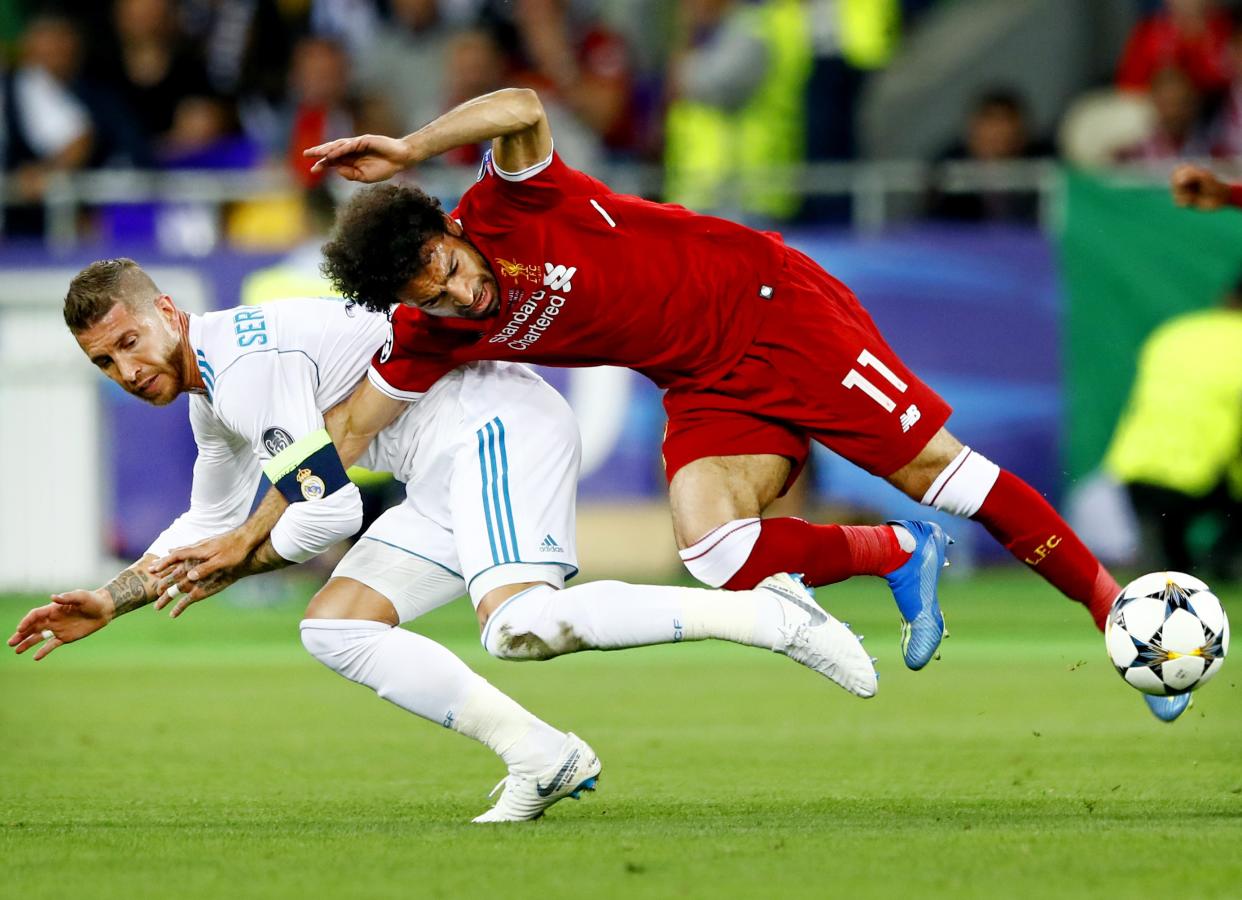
140 352
455 283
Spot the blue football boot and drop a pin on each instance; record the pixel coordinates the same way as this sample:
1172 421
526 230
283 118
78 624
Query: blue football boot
914 588
1166 709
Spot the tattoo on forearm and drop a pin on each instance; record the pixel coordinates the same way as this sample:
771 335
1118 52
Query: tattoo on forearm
131 590
264 558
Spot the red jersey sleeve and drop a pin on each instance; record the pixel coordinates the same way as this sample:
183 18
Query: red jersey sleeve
414 357
539 187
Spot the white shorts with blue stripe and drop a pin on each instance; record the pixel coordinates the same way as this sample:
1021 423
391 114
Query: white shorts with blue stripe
491 470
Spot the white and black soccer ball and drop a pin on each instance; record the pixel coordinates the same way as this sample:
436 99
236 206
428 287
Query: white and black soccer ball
1167 633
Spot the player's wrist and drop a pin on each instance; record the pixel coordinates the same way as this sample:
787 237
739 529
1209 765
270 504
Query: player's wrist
107 604
410 153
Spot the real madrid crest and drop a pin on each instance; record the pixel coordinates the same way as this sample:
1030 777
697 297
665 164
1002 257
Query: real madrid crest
312 485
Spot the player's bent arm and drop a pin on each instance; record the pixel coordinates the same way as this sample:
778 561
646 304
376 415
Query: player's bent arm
201 562
320 507
308 528
513 119
353 423
271 536
279 533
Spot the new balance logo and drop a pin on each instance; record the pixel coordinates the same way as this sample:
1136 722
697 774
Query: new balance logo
550 546
557 277
910 417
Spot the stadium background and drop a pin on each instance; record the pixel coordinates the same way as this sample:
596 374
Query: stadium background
988 175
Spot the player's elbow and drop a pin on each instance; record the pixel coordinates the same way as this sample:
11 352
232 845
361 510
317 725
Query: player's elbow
525 106
311 527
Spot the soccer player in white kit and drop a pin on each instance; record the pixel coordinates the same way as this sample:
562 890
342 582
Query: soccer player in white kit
489 455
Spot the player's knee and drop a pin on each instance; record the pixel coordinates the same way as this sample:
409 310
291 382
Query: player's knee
346 598
962 486
720 554
343 645
525 627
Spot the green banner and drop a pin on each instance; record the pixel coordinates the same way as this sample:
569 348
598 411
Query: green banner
1129 260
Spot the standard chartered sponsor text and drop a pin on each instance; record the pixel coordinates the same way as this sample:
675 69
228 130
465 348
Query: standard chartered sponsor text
529 312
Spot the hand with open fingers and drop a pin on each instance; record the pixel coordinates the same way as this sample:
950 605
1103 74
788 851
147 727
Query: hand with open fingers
367 158
199 561
179 586
1198 188
69 617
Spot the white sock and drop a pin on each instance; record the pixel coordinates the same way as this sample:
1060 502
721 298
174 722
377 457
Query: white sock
428 680
963 485
543 622
720 554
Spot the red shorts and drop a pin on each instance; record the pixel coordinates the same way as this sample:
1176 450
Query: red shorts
818 368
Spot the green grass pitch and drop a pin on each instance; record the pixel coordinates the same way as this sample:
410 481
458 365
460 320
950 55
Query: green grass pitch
210 757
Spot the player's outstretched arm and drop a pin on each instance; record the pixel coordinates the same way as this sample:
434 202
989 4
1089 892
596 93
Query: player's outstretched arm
512 119
1199 188
74 615
203 569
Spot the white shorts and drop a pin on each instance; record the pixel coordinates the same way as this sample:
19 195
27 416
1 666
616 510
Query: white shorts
491 457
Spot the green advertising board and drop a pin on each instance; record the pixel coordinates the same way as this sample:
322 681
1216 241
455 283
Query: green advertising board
1129 260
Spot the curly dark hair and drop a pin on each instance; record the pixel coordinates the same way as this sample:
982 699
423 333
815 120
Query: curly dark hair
379 243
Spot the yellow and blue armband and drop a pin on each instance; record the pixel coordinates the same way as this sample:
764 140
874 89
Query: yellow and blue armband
308 469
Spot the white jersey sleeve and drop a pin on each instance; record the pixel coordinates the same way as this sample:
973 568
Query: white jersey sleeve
226 476
269 399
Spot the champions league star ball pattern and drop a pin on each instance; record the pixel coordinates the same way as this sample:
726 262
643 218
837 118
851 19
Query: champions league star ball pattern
1167 633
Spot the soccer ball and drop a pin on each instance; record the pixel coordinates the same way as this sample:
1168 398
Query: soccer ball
1167 633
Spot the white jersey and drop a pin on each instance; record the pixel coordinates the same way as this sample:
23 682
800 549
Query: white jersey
272 371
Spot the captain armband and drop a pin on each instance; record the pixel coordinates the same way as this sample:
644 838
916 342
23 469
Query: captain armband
308 469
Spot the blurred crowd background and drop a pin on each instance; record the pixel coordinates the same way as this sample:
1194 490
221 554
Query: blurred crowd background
718 104
989 176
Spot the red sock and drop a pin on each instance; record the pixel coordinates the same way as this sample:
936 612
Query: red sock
824 554
1032 531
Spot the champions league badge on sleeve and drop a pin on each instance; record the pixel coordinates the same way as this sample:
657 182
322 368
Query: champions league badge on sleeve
313 487
275 440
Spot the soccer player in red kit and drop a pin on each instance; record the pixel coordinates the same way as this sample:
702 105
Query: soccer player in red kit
759 348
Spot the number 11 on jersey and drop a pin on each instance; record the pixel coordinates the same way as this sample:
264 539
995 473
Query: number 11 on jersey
855 379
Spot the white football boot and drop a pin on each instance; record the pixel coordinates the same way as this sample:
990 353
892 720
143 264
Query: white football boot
525 797
814 638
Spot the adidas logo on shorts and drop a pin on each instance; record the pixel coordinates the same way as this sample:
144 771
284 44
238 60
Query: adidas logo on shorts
550 546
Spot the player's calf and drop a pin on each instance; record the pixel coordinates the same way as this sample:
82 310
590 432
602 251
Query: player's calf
780 615
1016 515
740 554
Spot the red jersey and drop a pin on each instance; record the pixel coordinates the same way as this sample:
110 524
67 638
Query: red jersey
590 277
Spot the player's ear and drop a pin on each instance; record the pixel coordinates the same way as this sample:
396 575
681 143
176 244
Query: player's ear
166 308
452 226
